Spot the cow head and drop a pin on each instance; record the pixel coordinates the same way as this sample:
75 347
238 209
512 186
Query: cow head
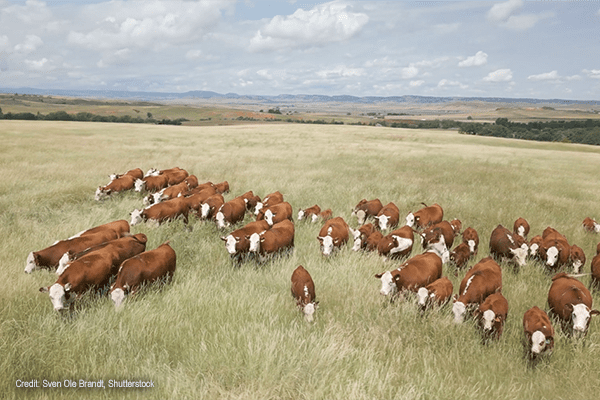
119 295
63 263
258 207
152 172
410 220
438 246
220 218
309 310
459 310
139 185
301 215
101 194
236 244
59 295
540 344
388 285
423 296
519 255
533 250
490 321
204 210
31 264
136 217
269 217
580 316
255 240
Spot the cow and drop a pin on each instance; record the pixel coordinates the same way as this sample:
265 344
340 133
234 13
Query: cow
576 258
534 247
590 225
372 241
492 314
94 270
437 293
434 239
210 206
388 217
222 187
231 212
425 217
152 183
503 245
460 255
145 267
366 208
521 228
162 212
595 282
539 333
333 235
456 226
269 200
174 175
445 228
237 242
196 199
471 238
167 193
555 250
361 234
192 181
276 213
415 273
483 279
275 240
136 173
303 290
50 257
199 188
311 213
396 244
571 302
123 183
249 200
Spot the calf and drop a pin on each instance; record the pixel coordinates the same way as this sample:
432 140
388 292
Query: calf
471 238
417 272
388 217
436 293
534 246
521 228
555 250
425 217
276 213
269 200
591 225
571 302
277 239
210 206
237 242
360 235
303 290
576 258
492 314
460 255
483 279
93 270
162 212
125 182
504 246
539 334
333 235
324 215
396 244
167 193
367 208
310 212
143 268
231 212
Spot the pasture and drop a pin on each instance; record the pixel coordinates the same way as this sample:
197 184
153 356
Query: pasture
222 332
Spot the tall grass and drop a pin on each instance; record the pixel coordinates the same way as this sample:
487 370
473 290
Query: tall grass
219 331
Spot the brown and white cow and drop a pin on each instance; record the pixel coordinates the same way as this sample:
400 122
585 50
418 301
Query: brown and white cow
595 282
435 239
415 273
269 200
210 206
590 225
167 193
333 235
277 239
51 256
397 244
152 183
93 270
196 198
504 245
372 241
483 279
199 188
425 217
460 255
366 208
437 293
237 242
555 250
388 217
146 267
311 213
571 302
161 212
231 212
303 290
521 228
222 187
492 314
174 175
324 215
276 213
471 238
137 173
445 228
539 333
125 182
576 258
534 247
361 234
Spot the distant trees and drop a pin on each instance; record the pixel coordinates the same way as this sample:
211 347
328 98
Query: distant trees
89 117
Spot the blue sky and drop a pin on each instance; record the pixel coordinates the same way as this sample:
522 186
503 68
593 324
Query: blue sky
513 48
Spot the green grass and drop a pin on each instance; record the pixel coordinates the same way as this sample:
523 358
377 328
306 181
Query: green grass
221 332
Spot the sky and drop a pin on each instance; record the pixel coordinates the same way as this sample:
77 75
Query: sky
514 48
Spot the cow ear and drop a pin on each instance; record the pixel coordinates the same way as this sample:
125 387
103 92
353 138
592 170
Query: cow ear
378 276
594 312
455 297
569 308
67 287
44 289
223 238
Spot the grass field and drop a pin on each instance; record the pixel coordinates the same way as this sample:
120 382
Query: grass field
220 332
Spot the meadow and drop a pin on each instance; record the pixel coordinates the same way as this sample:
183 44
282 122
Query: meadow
224 332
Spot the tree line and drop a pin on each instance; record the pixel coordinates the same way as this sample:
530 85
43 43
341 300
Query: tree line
89 117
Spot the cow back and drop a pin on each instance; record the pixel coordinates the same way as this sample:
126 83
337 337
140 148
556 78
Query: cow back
303 287
566 290
483 279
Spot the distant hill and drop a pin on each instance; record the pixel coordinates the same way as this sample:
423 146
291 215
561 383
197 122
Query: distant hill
282 98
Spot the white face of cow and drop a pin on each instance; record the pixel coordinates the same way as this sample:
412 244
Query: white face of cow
488 320
383 222
326 245
63 263
118 297
357 244
300 215
596 227
152 172
471 244
410 219
309 312
519 255
440 249
205 208
258 207
361 216
551 256
100 194
139 185
254 242
576 266
459 309
269 217
533 249
422 296
388 286
230 243
538 342
136 217
220 218
580 317
314 218
30 265
58 296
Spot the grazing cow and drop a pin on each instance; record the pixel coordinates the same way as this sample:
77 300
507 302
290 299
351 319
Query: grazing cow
222 187
591 225
167 193
577 258
425 217
231 212
456 226
503 245
445 228
276 213
209 206
125 182
333 235
196 199
492 314
436 293
571 302
251 202
534 247
50 257
483 279
248 198
199 188
136 173
174 175
367 208
303 290
143 268
152 183
361 234
269 200
595 282
192 181
471 238
555 250
397 244
417 272
460 255
521 228
434 239
388 217
277 239
162 212
237 242
93 270
310 212
372 241
539 333
324 215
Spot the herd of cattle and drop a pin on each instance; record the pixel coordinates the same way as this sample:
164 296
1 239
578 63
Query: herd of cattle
109 253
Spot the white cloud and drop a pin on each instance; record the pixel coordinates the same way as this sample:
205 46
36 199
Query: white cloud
38 65
507 16
501 12
415 84
409 72
547 76
325 23
193 54
31 44
500 75
446 83
4 43
340 71
592 73
32 13
479 59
